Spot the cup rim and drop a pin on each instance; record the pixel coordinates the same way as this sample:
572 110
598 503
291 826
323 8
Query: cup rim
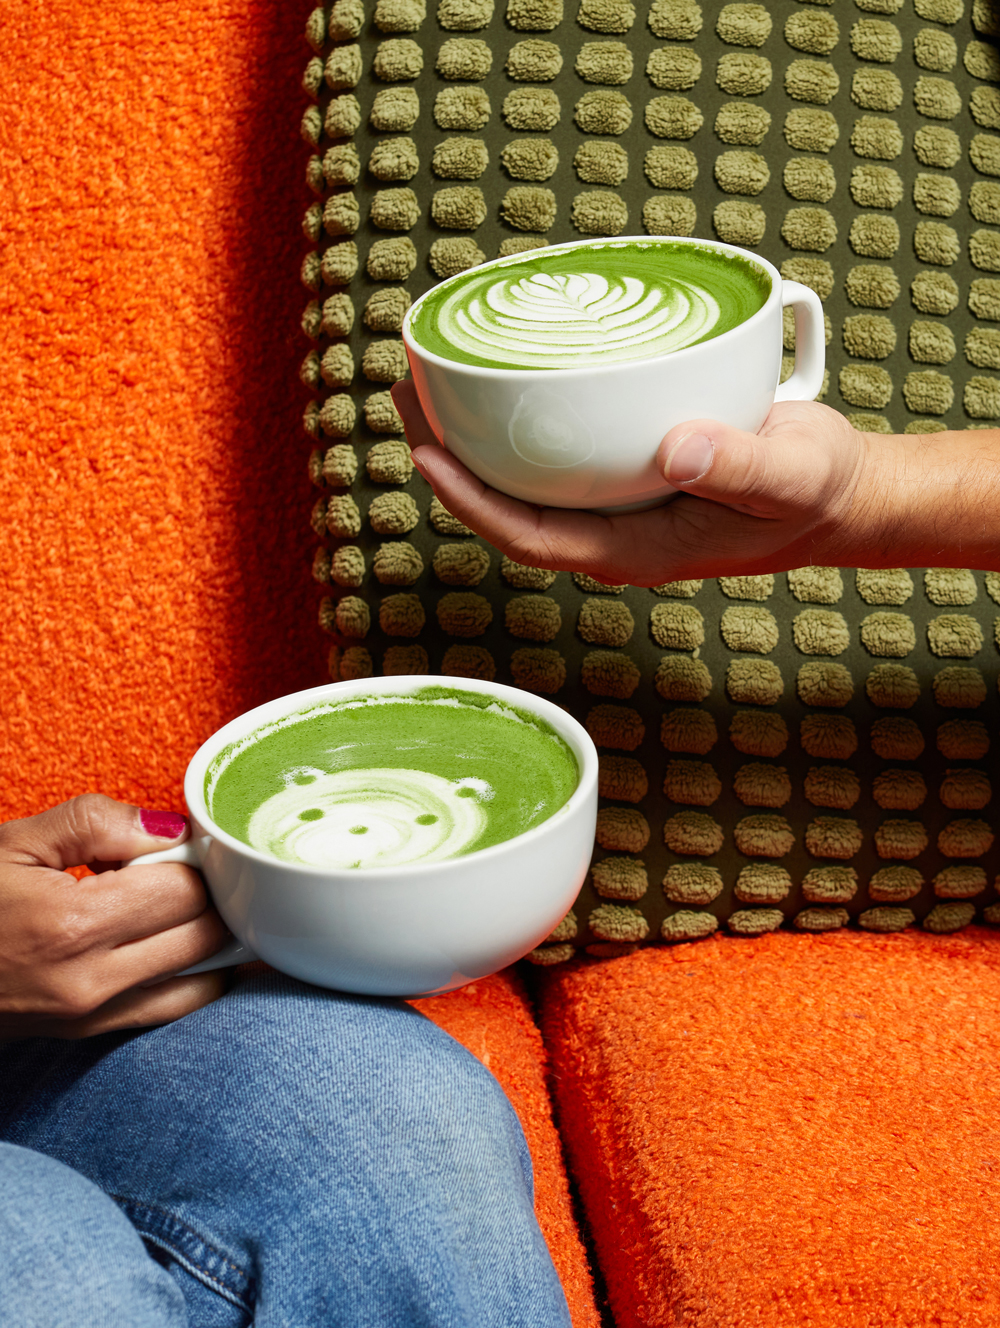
569 729
589 370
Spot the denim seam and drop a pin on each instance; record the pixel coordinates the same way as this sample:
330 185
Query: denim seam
165 1230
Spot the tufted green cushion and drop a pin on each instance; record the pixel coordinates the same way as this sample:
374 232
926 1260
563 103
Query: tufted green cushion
810 748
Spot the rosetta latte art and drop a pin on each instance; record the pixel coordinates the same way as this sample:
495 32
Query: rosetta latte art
577 305
370 818
548 320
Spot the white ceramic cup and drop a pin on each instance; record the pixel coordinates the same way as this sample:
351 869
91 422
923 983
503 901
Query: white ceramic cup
410 930
587 437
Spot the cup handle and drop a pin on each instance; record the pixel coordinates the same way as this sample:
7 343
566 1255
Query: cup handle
810 344
192 854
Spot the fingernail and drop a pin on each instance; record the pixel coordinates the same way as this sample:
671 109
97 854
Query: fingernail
419 464
165 825
689 458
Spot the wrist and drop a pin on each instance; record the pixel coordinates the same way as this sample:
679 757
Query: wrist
927 500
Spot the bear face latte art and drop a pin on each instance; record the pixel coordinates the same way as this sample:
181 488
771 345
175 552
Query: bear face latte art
381 781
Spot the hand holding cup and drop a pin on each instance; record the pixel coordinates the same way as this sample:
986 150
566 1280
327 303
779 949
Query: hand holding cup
83 957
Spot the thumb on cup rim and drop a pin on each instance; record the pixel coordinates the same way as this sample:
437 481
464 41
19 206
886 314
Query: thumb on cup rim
688 458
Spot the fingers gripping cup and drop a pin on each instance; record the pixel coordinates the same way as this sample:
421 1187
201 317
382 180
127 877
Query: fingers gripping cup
391 836
555 375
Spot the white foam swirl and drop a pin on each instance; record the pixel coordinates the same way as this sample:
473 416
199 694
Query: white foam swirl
370 818
550 320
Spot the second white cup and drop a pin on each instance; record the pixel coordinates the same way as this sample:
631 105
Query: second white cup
587 437
410 930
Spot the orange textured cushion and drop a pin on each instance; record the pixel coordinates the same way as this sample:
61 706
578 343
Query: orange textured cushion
493 1019
787 1130
154 537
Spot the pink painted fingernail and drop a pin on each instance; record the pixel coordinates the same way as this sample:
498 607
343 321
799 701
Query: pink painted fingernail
419 464
165 825
690 458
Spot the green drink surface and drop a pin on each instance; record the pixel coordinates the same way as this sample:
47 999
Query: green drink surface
382 780
605 302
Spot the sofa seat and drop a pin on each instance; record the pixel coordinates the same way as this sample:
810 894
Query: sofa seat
788 1130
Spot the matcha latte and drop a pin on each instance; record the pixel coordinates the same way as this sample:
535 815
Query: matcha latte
383 780
603 302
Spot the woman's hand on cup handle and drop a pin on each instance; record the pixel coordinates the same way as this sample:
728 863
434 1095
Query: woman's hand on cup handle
806 489
76 956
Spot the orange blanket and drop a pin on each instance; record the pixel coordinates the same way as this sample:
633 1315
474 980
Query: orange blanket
154 540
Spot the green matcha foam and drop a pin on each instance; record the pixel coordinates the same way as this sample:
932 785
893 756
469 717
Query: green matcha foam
379 781
607 302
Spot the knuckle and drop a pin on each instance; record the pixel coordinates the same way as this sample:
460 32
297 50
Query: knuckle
756 470
180 996
65 932
209 933
186 879
73 997
175 882
87 811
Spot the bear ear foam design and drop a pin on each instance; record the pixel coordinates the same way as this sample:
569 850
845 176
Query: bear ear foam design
743 721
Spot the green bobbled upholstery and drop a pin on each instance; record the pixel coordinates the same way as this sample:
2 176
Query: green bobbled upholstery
811 748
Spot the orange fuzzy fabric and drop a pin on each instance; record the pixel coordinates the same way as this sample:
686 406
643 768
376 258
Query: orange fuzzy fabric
785 1131
154 536
492 1018
153 533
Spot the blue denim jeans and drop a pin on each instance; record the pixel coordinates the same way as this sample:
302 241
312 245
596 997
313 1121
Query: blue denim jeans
289 1157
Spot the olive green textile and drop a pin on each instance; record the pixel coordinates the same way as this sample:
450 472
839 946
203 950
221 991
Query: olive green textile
812 748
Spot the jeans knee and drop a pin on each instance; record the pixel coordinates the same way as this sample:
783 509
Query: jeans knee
305 1078
44 1203
67 1255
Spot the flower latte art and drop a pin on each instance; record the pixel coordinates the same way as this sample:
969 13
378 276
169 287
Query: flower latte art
379 781
601 302
370 818
552 319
